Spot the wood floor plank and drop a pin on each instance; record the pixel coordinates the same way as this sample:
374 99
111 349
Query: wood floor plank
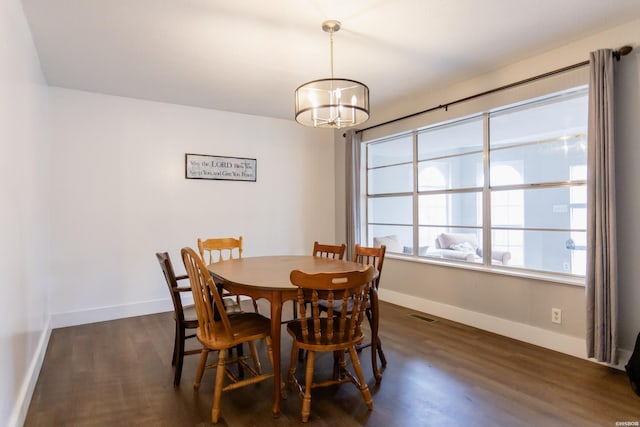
439 374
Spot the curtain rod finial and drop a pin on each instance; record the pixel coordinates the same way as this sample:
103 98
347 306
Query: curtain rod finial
624 50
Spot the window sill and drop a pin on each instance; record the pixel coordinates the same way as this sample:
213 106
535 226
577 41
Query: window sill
503 270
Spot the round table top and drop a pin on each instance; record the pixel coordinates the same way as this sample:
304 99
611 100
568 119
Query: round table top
273 271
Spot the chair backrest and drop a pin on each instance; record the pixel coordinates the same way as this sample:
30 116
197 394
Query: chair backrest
329 251
220 249
349 290
203 290
371 256
172 283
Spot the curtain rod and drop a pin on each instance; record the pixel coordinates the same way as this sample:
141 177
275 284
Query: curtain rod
624 50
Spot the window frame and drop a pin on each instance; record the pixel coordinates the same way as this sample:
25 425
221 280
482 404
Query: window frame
485 191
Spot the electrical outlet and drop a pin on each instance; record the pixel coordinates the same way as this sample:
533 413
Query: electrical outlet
556 315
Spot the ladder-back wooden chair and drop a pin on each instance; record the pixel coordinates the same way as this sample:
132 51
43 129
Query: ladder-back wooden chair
220 249
184 316
324 251
223 334
375 258
338 332
329 251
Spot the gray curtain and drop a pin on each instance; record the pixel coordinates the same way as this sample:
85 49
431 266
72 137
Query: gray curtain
352 174
602 271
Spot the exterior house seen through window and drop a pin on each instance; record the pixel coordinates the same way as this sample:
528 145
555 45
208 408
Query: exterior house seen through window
512 179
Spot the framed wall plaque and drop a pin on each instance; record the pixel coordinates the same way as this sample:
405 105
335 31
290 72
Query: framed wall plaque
202 166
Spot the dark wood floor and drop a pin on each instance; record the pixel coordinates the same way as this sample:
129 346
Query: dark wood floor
119 373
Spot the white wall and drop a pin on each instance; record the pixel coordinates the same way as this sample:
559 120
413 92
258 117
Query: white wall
121 196
515 306
24 246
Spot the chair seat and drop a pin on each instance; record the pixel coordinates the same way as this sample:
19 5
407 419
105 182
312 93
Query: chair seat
336 342
246 327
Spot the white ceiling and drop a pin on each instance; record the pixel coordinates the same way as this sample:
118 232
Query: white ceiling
249 56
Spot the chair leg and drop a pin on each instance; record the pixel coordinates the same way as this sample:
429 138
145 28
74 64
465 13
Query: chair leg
383 359
217 391
364 389
374 345
179 356
254 356
203 362
336 365
175 344
306 400
292 364
373 315
239 353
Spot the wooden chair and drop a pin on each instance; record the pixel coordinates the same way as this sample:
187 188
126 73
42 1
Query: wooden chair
220 249
374 257
223 334
184 316
325 251
338 332
329 251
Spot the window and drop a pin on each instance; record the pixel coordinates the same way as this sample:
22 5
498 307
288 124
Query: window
390 185
512 179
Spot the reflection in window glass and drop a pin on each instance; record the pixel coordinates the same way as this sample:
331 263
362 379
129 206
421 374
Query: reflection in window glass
398 238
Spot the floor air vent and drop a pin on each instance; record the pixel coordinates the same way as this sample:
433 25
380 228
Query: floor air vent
422 317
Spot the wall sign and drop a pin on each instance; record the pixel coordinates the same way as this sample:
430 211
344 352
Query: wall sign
201 166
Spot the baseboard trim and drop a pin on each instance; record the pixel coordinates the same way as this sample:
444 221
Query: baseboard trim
533 335
112 312
23 398
101 314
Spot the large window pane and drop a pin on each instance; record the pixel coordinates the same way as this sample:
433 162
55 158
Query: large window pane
556 117
549 161
451 173
451 209
537 208
390 152
391 210
538 250
391 179
452 139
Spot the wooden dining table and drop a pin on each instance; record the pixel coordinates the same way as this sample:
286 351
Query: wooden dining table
268 277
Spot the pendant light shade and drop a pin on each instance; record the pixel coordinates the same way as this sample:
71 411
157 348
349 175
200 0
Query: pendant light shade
332 103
